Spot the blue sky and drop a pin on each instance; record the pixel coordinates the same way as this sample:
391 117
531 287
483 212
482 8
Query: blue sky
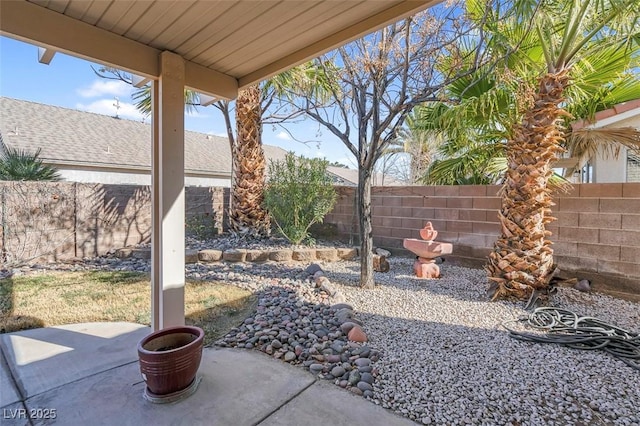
71 83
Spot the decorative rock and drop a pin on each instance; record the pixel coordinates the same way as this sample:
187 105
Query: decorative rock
190 256
366 377
327 254
257 256
364 386
354 377
321 280
141 253
209 255
380 263
583 285
357 335
316 368
382 252
347 253
304 255
313 269
356 391
234 255
328 288
124 253
362 362
337 371
339 306
283 255
289 356
276 344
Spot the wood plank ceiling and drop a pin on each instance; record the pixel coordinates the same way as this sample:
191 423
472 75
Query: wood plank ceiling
244 39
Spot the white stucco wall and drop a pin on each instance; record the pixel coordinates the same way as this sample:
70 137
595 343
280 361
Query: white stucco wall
131 178
607 169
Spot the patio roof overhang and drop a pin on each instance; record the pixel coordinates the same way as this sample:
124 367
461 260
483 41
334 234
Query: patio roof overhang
226 45
213 47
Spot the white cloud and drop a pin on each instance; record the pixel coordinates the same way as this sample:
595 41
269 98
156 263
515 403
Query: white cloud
106 107
284 136
105 88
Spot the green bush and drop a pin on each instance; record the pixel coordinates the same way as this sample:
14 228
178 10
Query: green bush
298 194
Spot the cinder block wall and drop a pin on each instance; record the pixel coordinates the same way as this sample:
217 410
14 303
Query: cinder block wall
61 220
597 233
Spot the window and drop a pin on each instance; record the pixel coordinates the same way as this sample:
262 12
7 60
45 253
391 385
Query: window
633 165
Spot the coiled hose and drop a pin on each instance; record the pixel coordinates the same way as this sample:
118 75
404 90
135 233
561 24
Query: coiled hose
567 328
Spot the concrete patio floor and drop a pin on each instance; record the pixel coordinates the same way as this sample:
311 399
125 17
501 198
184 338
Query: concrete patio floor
88 374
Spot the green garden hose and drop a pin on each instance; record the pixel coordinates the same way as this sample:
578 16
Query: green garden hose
567 328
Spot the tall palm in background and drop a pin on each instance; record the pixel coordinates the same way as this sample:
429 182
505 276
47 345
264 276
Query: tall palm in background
572 35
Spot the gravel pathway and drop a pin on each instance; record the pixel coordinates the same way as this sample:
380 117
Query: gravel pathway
437 352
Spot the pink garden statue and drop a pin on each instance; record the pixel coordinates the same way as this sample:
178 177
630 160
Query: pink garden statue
426 251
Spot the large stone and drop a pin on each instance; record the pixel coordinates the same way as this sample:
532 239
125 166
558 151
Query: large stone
141 253
191 256
380 263
357 335
282 255
313 268
209 255
257 255
382 252
234 255
347 253
124 253
327 254
304 255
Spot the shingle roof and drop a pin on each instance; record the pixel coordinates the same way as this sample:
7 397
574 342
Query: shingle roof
67 136
349 177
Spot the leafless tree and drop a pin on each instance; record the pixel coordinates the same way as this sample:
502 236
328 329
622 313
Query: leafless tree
379 79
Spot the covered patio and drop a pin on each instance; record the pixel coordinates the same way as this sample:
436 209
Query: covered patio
212 47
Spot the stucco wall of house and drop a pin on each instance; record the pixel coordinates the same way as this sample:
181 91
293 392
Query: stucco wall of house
610 169
130 177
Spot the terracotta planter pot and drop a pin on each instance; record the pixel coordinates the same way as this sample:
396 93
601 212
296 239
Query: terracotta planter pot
169 358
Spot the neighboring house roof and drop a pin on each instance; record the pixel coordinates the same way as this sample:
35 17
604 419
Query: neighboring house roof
84 139
349 177
610 116
71 137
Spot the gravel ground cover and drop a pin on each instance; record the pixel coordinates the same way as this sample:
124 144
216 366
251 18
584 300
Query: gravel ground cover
437 352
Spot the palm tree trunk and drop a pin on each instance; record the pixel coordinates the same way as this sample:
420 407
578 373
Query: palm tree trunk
247 215
522 258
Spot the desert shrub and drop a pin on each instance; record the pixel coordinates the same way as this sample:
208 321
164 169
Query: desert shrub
298 194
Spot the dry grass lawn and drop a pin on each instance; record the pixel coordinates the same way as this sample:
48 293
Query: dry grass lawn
41 300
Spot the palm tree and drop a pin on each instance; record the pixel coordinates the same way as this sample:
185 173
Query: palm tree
21 165
421 146
571 35
247 215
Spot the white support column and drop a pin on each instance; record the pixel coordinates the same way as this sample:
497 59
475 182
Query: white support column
168 199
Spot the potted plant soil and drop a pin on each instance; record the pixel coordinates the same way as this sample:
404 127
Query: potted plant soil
169 360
